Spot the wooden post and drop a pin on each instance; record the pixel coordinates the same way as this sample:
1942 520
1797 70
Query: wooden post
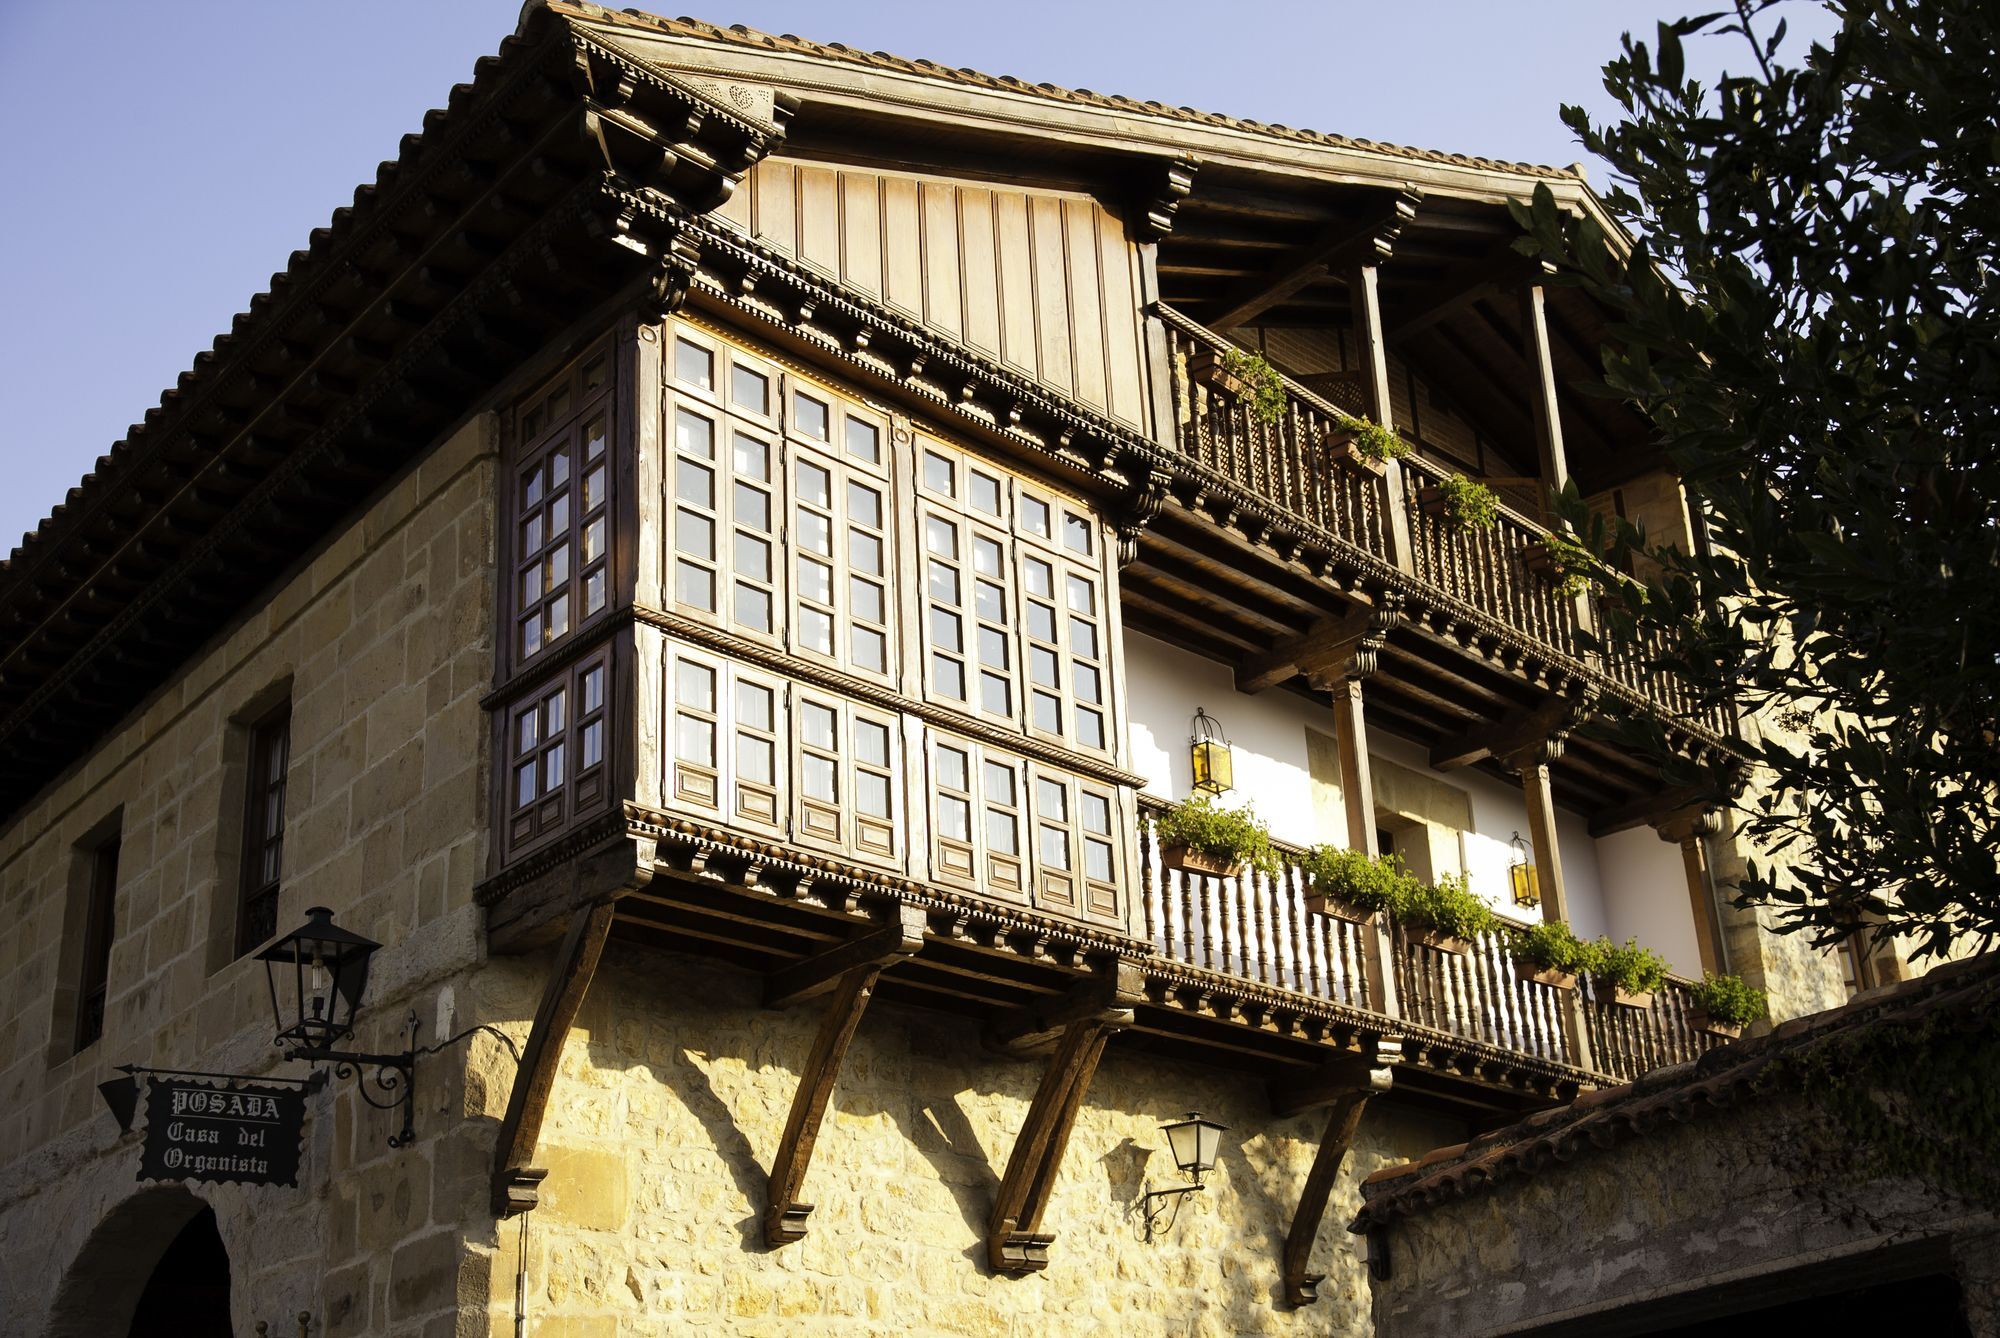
1369 1077
1357 795
1686 829
1534 768
1542 384
1364 293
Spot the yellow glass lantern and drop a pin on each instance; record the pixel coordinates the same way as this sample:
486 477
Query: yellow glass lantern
1521 874
1208 752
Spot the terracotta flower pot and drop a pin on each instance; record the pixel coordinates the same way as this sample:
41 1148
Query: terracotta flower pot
1622 997
1545 975
1207 367
1198 862
1347 454
1441 941
1699 1019
1324 903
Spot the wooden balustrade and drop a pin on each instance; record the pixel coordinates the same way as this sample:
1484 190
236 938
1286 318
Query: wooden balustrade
1256 926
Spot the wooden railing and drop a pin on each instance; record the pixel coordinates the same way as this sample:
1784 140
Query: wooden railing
1256 927
1288 465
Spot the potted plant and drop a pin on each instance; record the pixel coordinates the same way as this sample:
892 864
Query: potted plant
1446 915
1551 953
1354 885
1460 503
1197 837
1628 973
1242 375
1724 1006
1562 562
1363 447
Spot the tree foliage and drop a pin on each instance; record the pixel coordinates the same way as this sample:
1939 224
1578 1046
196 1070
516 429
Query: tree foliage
1808 321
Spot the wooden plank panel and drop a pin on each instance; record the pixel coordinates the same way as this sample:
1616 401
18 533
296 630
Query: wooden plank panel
861 231
819 218
1017 280
774 212
1086 312
944 295
978 255
1054 356
902 247
1124 344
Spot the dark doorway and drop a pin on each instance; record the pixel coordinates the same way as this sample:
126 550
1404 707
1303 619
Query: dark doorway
188 1294
1924 1305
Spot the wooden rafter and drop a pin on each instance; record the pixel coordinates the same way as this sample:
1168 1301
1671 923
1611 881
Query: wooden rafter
1345 1085
1473 281
1346 243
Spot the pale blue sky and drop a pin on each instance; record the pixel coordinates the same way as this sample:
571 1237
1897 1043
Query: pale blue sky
163 159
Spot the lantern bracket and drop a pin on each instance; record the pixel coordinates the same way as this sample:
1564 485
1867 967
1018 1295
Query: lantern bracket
1156 1207
392 1085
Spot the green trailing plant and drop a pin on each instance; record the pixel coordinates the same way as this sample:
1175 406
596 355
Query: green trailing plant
1263 388
1726 999
1374 442
1554 946
1448 907
1577 569
1232 834
1633 969
1468 503
1368 883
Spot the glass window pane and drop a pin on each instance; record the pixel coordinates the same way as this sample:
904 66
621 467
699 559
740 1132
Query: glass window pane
1097 860
999 781
593 540
864 440
1083 638
756 760
943 583
593 439
558 404
559 514
1048 712
815 581
812 483
694 740
530 730
531 491
864 552
1096 812
995 695
1055 847
1076 533
753 557
554 712
532 588
985 493
531 533
1052 800
871 742
816 775
753 607
753 706
552 767
986 557
526 783
816 631
593 690
593 489
814 532
818 725
871 794
593 592
865 600
945 630
694 533
558 617
864 506
1000 834
593 745
989 601
531 634
694 686
1082 598
694 364
941 537
1089 686
1040 577
1044 667
992 648
954 818
940 474
1089 727
1041 622
694 586
694 483
870 650
750 389
810 415
753 507
694 435
1035 516
558 469
947 676
951 769
751 457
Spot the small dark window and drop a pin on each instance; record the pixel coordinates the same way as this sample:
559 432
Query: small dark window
99 927
1385 841
264 829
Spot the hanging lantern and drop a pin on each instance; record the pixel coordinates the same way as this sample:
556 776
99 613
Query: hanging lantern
1521 874
1208 748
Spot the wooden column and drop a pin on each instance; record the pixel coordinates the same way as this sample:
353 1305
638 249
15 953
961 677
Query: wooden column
1542 386
1357 797
1364 293
1344 1087
1533 764
1686 829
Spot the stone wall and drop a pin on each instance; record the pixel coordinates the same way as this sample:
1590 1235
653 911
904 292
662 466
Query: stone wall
383 635
674 1090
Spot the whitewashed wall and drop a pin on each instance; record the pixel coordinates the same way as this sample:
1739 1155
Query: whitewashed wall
1628 884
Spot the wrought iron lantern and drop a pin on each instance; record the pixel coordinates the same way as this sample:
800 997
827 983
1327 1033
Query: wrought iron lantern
1521 876
1208 751
317 974
1195 1143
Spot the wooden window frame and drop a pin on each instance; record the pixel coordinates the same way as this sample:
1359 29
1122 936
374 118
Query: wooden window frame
100 928
567 712
261 874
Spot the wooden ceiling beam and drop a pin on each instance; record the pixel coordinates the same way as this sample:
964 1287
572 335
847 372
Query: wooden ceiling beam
1471 282
1370 239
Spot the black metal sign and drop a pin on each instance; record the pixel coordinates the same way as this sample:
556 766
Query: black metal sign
222 1132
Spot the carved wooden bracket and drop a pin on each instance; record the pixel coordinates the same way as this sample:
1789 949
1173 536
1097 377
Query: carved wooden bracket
1333 650
852 984
1344 1085
1524 737
1015 1242
516 1183
1137 509
1038 1028
1154 217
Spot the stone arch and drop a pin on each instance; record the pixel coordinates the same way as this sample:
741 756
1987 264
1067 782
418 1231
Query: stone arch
101 1288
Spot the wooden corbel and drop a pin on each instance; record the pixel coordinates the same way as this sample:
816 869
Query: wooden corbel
1015 1241
1334 650
1344 1085
1153 219
516 1182
1523 737
849 972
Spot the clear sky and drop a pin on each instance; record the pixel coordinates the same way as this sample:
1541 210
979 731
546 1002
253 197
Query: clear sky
164 158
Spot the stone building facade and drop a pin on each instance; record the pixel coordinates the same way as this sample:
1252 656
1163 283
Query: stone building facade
515 501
